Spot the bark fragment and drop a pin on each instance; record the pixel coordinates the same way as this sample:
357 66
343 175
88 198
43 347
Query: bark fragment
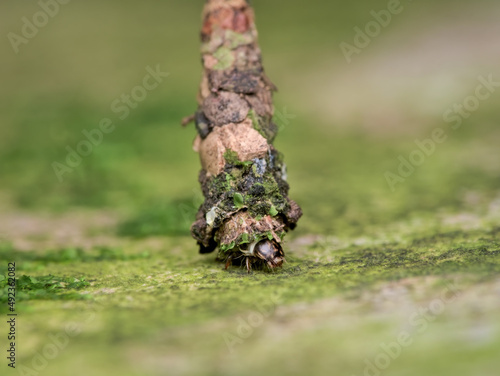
245 141
224 108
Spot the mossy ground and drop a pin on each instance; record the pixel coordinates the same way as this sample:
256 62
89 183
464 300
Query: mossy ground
108 250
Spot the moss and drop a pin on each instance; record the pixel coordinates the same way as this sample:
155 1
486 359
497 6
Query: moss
231 181
263 125
175 288
220 184
70 255
255 122
254 185
236 173
232 158
47 287
473 252
254 170
266 196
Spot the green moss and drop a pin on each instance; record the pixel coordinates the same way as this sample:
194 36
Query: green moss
251 185
232 158
236 173
263 125
255 122
254 170
268 198
176 288
48 287
221 184
69 255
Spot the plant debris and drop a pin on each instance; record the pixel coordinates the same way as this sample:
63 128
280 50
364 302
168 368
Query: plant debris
247 211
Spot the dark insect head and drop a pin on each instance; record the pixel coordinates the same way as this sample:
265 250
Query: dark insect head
270 252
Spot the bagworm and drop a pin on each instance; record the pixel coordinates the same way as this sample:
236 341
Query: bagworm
247 211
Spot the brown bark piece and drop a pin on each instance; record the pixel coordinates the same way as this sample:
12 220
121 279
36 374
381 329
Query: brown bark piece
241 82
294 213
240 138
261 102
224 108
227 14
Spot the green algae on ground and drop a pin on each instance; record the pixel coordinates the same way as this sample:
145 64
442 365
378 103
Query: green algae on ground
179 282
46 287
95 254
146 299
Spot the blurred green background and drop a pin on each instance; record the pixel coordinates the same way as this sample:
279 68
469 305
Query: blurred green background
348 124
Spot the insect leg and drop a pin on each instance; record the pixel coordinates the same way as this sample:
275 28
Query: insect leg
229 261
248 265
